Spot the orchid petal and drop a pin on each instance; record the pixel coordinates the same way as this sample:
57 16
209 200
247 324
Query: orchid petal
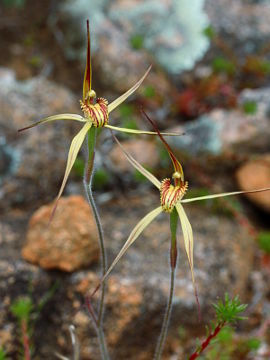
176 164
133 236
188 240
133 131
74 117
123 97
139 167
223 194
72 155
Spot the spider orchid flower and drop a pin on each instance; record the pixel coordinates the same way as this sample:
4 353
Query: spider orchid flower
171 197
95 113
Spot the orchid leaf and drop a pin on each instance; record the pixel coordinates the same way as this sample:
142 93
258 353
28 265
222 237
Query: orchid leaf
74 117
138 166
134 131
223 195
72 155
123 97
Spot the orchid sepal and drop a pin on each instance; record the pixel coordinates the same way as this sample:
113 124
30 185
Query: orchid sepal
135 233
138 166
214 196
123 97
72 155
74 117
135 131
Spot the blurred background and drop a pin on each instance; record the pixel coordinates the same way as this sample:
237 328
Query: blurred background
210 79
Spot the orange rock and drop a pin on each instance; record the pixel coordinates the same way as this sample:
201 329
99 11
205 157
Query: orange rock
255 174
69 242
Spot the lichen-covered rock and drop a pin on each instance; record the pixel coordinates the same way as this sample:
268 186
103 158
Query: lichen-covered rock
32 163
171 30
255 174
69 242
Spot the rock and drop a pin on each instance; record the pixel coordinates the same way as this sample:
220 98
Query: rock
34 160
255 174
138 286
227 132
246 22
69 242
176 45
144 151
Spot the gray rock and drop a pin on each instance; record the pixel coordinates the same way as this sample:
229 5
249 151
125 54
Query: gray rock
32 163
171 31
137 288
228 131
246 23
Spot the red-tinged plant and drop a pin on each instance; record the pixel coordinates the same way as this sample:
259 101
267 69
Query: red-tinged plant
226 313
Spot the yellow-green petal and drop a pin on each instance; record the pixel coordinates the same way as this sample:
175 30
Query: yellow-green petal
223 194
138 166
72 155
142 132
123 97
74 117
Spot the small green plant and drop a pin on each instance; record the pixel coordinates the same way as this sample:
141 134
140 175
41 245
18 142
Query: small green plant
221 332
222 65
26 314
149 91
3 355
21 308
136 41
101 179
264 241
209 32
250 107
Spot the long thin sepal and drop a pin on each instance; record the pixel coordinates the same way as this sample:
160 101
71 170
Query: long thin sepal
123 97
176 164
74 117
72 155
206 197
142 132
132 237
188 240
138 166
88 68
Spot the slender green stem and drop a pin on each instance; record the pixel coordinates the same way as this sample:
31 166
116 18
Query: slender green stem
173 260
88 177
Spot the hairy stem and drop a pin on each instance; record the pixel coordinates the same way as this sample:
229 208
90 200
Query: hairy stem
88 177
173 260
207 341
26 341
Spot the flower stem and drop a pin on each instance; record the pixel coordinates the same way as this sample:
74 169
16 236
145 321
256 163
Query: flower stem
88 177
173 260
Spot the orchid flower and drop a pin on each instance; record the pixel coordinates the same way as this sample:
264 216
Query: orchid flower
171 198
95 113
